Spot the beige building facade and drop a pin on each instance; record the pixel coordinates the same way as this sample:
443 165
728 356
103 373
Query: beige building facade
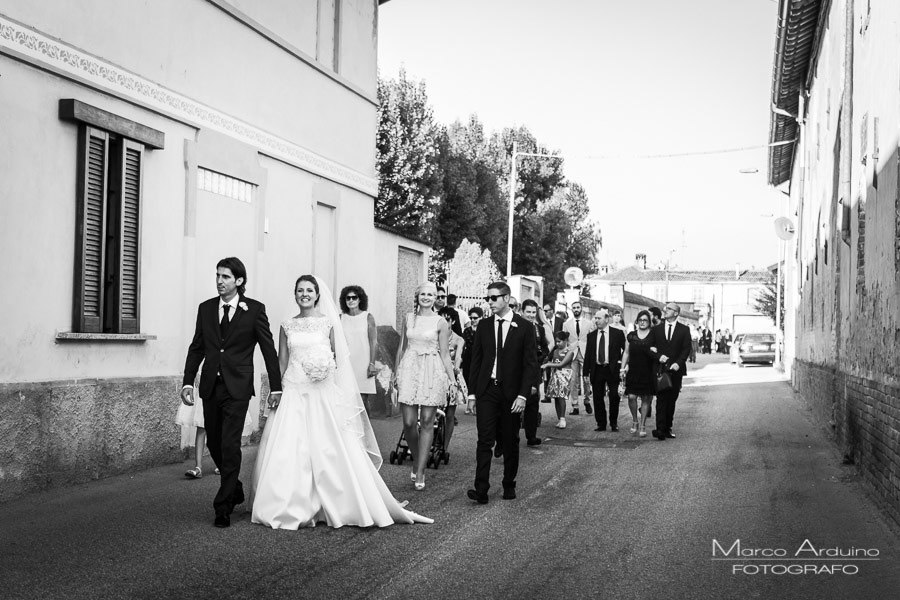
142 142
836 113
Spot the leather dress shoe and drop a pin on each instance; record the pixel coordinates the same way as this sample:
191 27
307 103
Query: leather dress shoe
509 493
588 409
670 435
613 427
598 428
477 497
658 435
222 520
498 451
574 411
535 442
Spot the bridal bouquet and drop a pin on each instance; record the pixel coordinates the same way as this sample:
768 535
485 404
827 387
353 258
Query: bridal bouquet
318 363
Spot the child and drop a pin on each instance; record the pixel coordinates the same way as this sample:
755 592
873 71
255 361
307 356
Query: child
561 374
192 416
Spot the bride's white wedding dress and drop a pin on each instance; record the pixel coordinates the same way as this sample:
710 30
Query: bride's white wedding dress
316 460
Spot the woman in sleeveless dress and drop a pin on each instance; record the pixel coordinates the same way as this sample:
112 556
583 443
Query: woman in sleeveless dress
638 367
362 337
423 376
318 458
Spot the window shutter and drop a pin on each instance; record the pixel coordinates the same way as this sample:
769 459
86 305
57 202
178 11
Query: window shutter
127 189
93 156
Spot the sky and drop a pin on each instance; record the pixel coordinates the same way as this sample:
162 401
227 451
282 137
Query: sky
607 84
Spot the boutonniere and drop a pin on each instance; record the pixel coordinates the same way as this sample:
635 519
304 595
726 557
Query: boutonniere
243 305
513 324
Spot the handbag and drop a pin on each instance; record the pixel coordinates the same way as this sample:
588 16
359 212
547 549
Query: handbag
663 381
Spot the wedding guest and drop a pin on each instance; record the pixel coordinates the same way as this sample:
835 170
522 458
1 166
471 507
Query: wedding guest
672 341
455 395
475 315
695 343
318 459
655 316
362 339
531 414
463 319
578 330
424 374
602 365
228 329
503 370
560 371
639 368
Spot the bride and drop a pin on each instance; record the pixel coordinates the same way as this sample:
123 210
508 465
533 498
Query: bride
318 458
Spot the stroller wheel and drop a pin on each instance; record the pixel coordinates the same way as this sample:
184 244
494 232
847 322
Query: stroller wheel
436 461
393 456
446 457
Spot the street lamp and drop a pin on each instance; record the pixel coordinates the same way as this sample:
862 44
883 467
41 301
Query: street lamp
512 199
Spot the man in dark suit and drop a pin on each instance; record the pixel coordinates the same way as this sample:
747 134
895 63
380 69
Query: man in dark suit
555 319
602 362
504 368
531 417
672 341
228 329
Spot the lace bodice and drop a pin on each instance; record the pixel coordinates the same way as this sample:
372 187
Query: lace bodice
423 338
308 338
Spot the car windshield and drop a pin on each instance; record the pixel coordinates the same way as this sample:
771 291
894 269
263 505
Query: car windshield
759 338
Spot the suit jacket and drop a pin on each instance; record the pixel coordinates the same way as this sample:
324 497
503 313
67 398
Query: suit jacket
556 323
231 355
586 327
678 349
616 349
518 370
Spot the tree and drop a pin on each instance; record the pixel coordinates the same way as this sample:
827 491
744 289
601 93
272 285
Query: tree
767 300
408 182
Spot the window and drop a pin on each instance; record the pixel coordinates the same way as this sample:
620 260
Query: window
699 295
108 223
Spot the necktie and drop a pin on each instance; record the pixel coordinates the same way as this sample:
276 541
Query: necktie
223 324
499 344
601 348
669 335
577 328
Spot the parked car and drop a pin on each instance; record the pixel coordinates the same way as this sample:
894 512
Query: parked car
757 348
735 344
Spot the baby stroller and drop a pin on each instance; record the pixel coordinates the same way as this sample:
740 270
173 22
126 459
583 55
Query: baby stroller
438 450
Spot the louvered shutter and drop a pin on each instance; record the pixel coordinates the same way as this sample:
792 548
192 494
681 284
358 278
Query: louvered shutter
126 198
90 237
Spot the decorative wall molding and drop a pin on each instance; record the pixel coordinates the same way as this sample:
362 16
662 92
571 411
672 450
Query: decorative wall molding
33 47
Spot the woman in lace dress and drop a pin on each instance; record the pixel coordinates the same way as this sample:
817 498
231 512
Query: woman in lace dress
423 376
318 459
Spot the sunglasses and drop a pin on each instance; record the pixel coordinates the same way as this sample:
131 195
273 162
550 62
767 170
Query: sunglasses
495 298
352 297
442 295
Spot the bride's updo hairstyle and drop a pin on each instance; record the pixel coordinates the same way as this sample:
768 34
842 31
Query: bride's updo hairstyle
311 280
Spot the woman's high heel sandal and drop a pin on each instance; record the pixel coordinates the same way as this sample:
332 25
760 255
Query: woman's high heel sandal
634 427
412 476
420 483
643 432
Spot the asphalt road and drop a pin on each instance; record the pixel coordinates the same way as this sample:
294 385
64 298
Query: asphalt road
598 515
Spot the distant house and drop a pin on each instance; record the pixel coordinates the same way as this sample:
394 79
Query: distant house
723 299
142 142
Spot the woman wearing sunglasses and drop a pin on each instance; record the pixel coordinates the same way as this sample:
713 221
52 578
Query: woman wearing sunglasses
638 370
362 339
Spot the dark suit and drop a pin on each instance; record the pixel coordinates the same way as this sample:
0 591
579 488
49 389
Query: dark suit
605 376
531 414
226 383
677 350
517 372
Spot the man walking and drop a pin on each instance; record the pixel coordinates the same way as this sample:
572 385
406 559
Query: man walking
673 343
504 368
531 416
578 330
228 329
602 362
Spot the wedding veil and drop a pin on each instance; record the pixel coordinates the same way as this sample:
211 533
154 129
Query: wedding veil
349 407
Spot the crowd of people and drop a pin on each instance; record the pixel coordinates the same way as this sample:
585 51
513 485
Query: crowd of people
318 458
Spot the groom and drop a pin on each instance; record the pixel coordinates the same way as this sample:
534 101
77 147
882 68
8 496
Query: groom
503 369
228 329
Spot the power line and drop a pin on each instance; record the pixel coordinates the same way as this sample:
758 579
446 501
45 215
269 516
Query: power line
683 154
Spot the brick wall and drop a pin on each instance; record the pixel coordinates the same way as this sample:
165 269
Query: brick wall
863 417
